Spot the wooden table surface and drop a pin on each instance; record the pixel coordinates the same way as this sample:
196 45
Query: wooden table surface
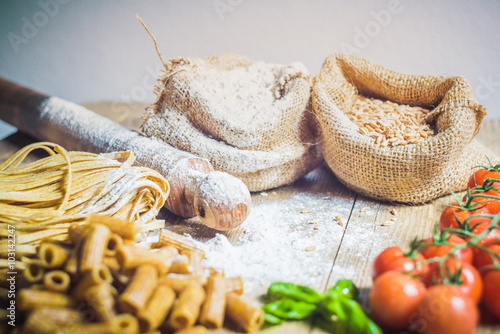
343 253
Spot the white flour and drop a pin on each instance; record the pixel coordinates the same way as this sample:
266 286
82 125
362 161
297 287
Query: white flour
276 236
244 97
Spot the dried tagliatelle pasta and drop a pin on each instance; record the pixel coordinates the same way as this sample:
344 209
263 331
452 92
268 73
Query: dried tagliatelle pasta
44 197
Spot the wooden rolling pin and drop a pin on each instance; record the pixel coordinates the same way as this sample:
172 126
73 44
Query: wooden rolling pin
219 199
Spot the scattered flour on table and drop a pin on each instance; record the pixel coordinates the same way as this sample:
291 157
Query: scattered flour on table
273 246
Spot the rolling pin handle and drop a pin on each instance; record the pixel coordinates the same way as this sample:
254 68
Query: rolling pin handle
206 192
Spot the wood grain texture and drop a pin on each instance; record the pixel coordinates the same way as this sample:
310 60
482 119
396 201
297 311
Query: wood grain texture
352 251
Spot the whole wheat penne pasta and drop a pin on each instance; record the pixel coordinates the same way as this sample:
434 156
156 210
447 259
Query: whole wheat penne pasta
97 275
100 299
131 256
182 243
156 308
167 252
52 255
57 280
125 324
197 270
48 319
114 242
212 312
29 299
93 246
71 265
193 330
247 317
34 271
125 229
180 265
177 282
234 284
186 311
139 289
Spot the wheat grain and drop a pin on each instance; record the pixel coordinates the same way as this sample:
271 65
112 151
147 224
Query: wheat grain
389 123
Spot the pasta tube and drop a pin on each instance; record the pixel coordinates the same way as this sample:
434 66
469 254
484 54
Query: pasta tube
34 271
125 324
101 300
52 255
114 242
193 330
29 299
234 284
212 312
98 275
57 280
247 317
196 259
177 282
71 265
180 265
131 256
139 289
93 246
47 319
181 243
187 309
123 228
156 309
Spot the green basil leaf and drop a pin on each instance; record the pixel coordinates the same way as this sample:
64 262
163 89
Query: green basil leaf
302 293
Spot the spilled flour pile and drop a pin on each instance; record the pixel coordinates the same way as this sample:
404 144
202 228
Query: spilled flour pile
292 240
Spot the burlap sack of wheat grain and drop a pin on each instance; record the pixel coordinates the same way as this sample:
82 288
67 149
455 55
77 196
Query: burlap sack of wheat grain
250 119
412 173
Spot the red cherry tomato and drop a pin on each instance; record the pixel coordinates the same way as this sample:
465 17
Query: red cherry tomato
393 258
448 218
491 294
492 204
464 255
481 175
394 298
483 259
445 310
470 282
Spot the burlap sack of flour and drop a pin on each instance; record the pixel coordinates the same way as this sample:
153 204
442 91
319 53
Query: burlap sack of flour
250 119
411 173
